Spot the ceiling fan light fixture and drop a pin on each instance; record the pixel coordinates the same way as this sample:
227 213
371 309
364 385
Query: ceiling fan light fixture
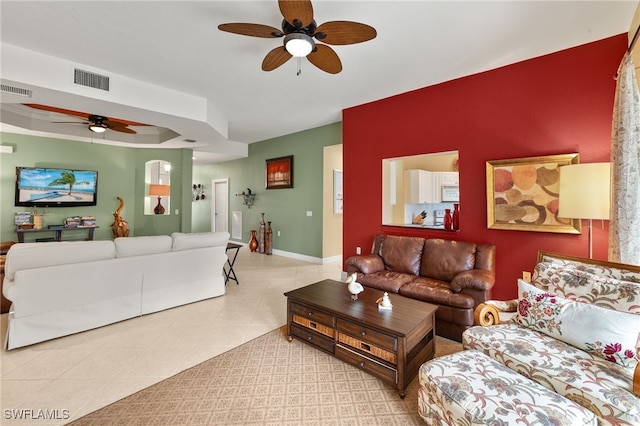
298 44
98 127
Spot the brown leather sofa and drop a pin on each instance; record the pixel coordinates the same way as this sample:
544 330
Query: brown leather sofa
455 275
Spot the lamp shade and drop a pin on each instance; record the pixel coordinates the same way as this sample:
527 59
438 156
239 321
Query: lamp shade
159 190
298 44
585 191
98 127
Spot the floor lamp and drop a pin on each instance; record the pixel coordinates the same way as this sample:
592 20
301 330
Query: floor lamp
585 193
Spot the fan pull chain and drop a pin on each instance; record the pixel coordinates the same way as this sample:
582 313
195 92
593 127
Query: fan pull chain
299 63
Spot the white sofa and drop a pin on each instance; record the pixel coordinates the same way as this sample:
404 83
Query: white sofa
57 289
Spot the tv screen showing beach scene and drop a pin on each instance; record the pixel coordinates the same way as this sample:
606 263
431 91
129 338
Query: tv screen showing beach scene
53 187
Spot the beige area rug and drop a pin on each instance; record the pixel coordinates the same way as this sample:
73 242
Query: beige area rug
268 381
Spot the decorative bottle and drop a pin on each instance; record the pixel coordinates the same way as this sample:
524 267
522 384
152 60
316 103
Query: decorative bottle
253 243
448 220
268 246
261 234
456 217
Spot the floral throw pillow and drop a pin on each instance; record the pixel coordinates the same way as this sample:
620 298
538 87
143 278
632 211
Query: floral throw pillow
576 284
599 270
606 333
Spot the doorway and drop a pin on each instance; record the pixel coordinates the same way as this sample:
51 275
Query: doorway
220 205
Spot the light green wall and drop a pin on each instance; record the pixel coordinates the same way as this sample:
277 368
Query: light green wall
120 173
285 208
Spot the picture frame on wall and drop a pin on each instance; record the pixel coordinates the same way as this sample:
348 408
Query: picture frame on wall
523 194
279 172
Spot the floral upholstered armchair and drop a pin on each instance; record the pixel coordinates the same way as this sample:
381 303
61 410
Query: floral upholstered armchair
575 329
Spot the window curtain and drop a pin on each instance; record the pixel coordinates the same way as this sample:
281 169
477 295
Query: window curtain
624 225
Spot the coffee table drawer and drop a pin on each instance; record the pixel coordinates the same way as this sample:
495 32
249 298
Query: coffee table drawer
312 314
314 325
367 364
371 336
364 346
313 338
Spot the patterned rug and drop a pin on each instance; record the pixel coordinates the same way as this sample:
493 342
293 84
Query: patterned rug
268 381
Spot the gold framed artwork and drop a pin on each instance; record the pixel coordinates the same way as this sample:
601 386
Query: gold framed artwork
279 172
523 194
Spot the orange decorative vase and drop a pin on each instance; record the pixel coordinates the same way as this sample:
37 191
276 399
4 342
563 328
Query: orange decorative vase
253 242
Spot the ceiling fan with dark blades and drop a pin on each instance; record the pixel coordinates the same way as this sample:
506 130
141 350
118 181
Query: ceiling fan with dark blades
299 30
100 124
95 123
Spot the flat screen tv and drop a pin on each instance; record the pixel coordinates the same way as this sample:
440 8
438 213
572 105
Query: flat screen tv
53 187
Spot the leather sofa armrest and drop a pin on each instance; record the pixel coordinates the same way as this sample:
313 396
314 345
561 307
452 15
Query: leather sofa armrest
488 313
366 264
480 279
636 380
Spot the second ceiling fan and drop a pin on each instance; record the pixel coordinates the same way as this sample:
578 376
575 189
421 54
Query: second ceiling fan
299 30
95 123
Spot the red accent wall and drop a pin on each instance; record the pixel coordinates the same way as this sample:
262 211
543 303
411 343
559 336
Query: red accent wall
555 104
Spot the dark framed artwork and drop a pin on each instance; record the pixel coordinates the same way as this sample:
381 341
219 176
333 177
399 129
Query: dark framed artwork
279 172
523 194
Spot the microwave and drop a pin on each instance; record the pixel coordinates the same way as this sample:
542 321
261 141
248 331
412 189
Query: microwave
450 194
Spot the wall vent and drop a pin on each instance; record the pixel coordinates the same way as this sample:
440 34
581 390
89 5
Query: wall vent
16 90
90 79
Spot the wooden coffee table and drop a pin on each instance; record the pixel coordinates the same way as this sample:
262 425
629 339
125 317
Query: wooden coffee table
391 345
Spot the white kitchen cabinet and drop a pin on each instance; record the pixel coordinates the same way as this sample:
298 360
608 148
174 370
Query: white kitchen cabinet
449 178
440 180
419 187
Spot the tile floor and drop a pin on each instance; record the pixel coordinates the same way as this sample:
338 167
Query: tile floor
75 375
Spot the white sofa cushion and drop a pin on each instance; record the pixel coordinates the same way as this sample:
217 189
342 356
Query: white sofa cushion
606 333
138 246
183 241
39 255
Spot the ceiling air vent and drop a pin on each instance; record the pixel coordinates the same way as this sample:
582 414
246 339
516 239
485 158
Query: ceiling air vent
90 79
5 88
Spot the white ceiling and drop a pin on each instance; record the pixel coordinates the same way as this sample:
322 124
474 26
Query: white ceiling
171 67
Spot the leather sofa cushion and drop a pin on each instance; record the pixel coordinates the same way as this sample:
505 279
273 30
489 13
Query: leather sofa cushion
437 292
444 259
389 281
139 246
402 254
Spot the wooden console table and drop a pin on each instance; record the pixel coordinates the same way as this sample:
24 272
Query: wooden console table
58 232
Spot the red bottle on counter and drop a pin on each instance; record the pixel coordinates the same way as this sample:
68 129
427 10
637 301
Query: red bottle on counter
448 220
456 217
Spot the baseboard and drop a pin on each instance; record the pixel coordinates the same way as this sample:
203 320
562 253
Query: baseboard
298 256
332 259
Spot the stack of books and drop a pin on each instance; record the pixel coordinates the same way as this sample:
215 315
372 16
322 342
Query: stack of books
72 222
88 221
